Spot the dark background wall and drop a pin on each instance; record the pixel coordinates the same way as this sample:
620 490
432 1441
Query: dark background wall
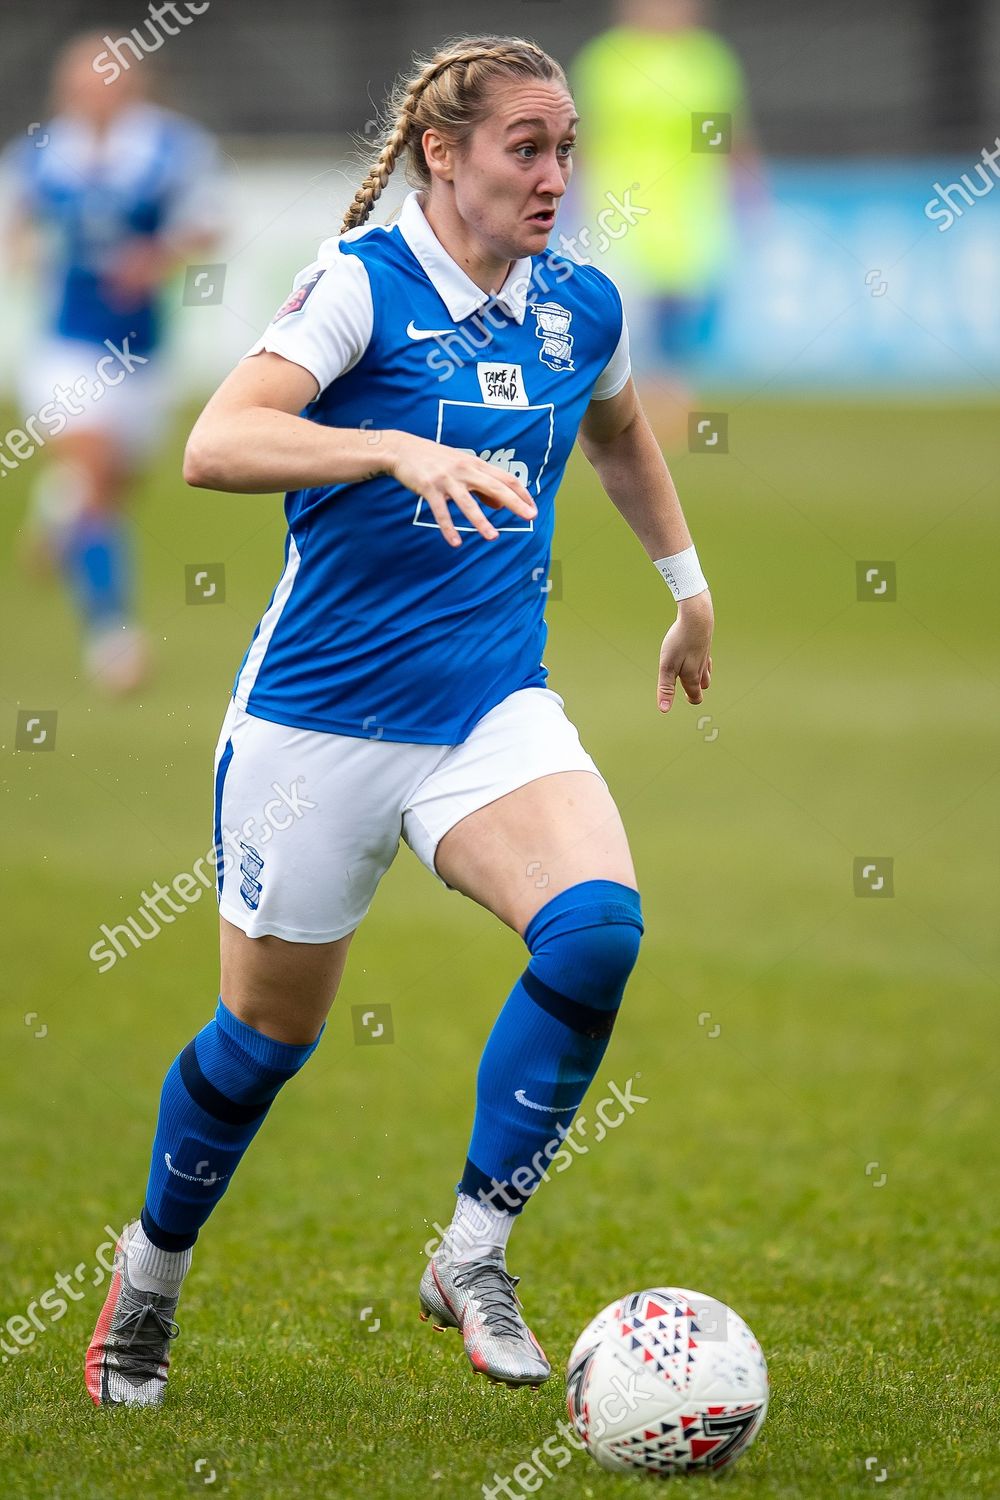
854 77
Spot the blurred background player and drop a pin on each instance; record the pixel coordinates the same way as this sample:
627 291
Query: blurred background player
642 87
112 195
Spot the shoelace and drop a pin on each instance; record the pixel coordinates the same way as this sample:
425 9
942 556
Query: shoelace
494 1289
142 1327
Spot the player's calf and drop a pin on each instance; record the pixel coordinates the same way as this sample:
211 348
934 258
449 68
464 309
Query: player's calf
215 1098
548 1040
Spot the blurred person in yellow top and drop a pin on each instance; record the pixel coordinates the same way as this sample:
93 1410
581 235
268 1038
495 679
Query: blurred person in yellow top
663 124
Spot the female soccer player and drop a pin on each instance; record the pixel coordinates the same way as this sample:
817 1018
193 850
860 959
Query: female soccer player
415 374
124 192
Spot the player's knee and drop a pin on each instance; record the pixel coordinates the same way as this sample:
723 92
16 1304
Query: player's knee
241 1062
605 957
588 948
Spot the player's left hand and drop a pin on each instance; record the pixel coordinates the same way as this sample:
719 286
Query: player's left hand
685 652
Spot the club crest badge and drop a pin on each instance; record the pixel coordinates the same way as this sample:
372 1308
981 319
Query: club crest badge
552 327
250 867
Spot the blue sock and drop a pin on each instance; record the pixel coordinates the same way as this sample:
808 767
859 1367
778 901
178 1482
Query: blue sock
549 1038
98 567
214 1100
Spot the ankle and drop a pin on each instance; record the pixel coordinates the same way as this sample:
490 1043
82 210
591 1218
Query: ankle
477 1229
153 1269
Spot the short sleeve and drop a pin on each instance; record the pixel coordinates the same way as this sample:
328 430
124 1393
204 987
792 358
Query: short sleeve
325 324
614 377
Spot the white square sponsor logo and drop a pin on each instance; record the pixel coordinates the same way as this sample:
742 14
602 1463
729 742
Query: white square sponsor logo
502 385
518 441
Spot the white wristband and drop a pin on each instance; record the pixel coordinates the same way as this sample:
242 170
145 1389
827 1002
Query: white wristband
682 573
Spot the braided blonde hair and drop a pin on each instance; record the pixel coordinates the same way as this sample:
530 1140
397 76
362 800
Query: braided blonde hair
447 93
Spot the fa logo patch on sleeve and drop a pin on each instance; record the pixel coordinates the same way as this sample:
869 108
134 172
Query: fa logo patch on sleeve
297 300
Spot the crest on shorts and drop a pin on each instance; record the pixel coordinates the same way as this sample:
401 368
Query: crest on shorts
297 300
250 867
552 327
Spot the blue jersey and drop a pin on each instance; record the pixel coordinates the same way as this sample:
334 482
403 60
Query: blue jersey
377 627
149 174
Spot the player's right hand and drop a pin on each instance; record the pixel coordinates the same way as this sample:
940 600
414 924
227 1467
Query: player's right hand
439 474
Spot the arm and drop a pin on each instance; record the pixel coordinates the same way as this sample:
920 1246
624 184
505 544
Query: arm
618 442
251 440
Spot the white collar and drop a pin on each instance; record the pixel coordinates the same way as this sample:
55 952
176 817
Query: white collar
459 292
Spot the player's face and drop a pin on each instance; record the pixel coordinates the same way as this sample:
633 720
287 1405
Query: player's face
79 90
514 169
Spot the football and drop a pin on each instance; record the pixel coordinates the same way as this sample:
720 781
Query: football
667 1381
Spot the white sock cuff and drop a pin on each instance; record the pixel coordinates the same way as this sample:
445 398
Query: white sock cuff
151 1269
478 1228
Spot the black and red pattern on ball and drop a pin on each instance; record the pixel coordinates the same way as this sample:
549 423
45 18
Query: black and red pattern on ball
662 1333
576 1393
731 1428
704 1441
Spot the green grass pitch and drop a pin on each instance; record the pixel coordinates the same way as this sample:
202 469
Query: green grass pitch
817 1148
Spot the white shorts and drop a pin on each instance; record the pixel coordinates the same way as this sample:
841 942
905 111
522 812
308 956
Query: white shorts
308 822
131 406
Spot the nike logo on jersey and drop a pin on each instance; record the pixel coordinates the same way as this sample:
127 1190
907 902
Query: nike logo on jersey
413 332
550 1109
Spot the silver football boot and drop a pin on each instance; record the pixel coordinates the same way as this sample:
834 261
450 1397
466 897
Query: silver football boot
478 1297
129 1353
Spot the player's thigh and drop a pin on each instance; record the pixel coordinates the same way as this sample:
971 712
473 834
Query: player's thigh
306 824
282 989
516 853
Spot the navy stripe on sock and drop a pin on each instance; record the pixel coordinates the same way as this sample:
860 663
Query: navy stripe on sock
162 1238
208 1097
507 1198
588 1020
